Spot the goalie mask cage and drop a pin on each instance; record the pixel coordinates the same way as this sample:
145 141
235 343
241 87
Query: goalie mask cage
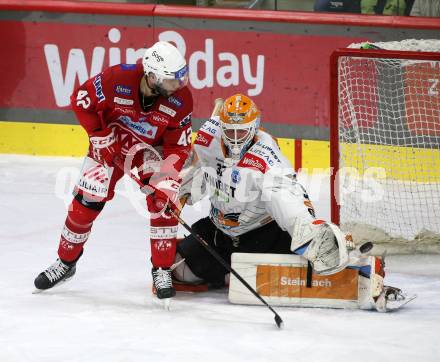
385 147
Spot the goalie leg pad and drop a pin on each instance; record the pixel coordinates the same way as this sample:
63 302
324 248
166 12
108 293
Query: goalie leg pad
183 273
184 279
371 279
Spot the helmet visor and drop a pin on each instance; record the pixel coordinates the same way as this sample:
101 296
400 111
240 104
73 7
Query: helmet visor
170 84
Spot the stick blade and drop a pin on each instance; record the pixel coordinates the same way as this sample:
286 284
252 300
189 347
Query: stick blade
279 322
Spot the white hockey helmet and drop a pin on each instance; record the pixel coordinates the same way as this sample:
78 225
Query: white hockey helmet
239 120
168 66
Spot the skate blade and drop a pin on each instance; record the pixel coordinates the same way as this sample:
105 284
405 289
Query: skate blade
38 291
166 303
393 305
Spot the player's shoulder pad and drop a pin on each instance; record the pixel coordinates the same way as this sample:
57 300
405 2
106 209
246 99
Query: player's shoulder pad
127 73
264 154
118 84
209 131
177 107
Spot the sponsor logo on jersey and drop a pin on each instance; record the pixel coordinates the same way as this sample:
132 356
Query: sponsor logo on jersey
123 90
227 221
156 117
123 101
213 121
223 191
235 176
185 121
203 139
167 110
176 101
141 128
208 127
127 111
269 160
254 162
98 88
128 66
266 152
211 126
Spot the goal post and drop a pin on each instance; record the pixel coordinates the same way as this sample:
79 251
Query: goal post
385 145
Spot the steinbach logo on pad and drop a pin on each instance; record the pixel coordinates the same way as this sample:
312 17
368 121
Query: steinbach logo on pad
291 281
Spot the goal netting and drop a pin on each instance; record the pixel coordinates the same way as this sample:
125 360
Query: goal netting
385 143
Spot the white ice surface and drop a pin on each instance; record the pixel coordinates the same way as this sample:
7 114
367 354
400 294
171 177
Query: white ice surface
107 312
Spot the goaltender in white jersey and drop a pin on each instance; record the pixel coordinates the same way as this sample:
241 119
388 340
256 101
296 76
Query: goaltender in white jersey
250 193
257 205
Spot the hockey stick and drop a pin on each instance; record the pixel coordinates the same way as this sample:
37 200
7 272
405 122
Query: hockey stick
278 320
217 257
217 105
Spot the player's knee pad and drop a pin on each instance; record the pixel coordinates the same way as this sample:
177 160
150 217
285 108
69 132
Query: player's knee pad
323 244
84 212
95 181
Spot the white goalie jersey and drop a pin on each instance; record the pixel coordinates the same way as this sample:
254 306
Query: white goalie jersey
247 194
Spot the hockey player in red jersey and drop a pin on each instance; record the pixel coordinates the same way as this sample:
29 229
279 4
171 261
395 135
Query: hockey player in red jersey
125 108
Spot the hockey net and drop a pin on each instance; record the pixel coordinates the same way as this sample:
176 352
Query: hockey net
385 144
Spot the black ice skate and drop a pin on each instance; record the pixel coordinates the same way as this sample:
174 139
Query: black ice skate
59 272
162 282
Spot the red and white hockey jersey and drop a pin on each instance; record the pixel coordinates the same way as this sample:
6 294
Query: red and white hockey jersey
260 188
113 99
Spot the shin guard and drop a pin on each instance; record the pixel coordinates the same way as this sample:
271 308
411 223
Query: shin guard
76 230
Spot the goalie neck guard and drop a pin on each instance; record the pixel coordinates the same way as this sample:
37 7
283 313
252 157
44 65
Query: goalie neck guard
239 120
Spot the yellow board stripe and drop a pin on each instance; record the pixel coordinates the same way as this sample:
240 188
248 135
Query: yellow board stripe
287 146
421 165
43 139
400 163
315 155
